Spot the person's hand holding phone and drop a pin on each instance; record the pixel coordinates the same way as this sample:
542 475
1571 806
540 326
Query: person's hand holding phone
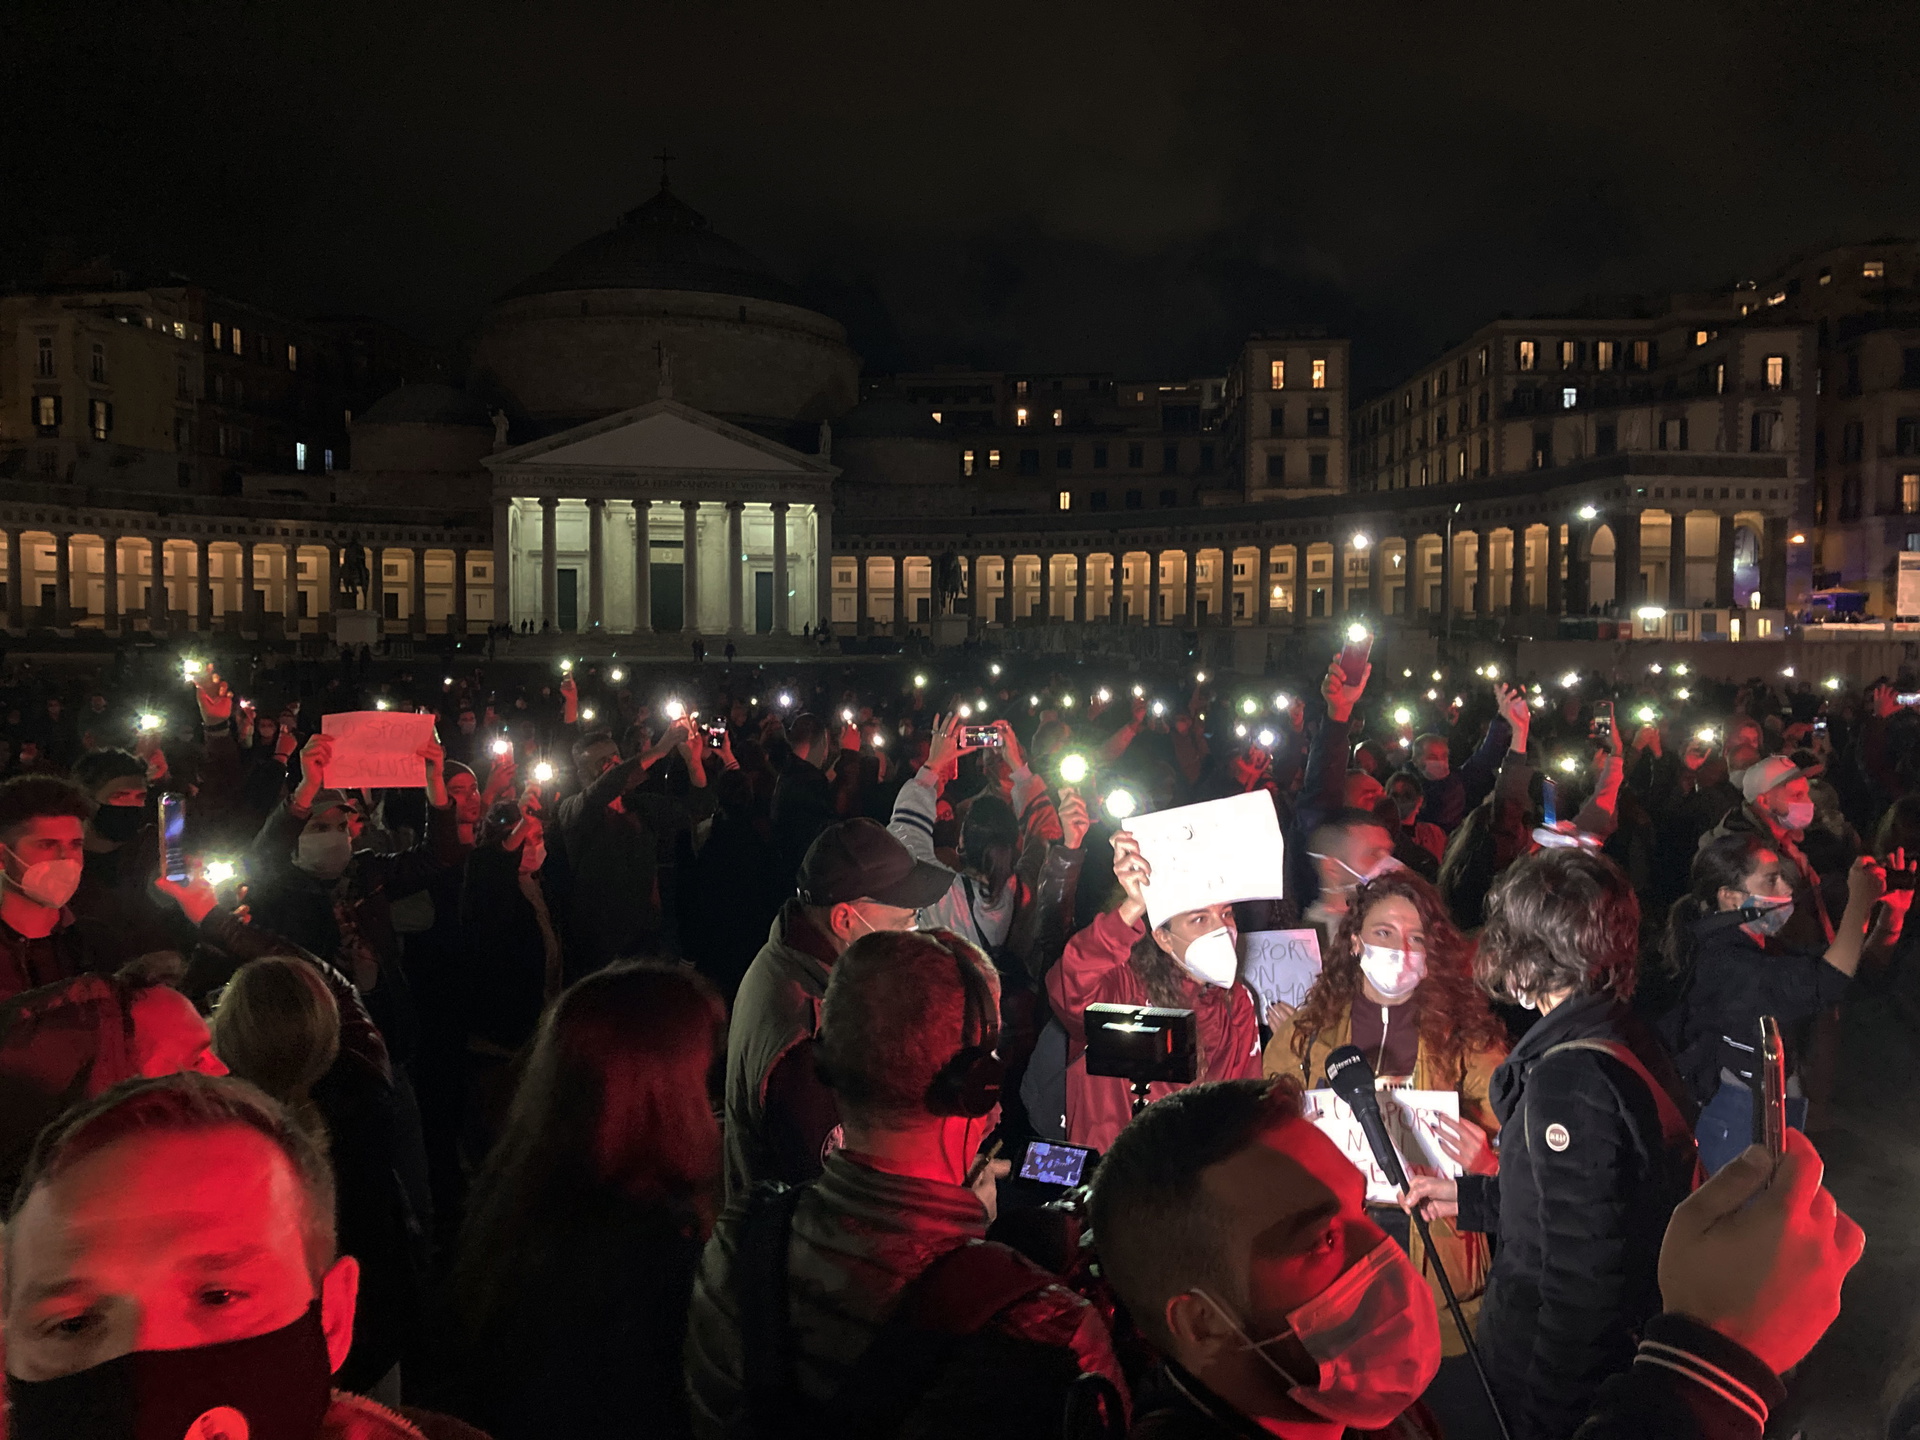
214 698
1074 820
1131 870
1342 694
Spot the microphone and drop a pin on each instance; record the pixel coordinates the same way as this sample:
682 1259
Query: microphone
1351 1078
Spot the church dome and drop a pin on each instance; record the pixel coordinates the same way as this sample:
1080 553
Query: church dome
660 304
664 244
427 404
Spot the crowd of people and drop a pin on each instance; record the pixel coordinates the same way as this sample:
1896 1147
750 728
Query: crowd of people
658 1063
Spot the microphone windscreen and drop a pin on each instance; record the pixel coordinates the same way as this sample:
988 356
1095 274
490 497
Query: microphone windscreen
1350 1076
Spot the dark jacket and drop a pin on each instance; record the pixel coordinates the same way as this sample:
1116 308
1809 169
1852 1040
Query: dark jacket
1175 1406
860 1237
1732 982
1445 802
802 807
27 964
585 1334
1589 1176
779 1113
114 910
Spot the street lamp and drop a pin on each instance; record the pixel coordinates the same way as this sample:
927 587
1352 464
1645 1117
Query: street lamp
1587 512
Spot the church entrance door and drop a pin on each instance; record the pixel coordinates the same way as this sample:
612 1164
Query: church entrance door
668 610
568 600
762 602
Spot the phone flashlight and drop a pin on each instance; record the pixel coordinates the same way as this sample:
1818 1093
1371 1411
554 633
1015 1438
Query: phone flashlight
919 682
675 710
1265 737
586 714
149 723
503 747
1159 707
543 772
1073 769
1121 804
218 872
616 674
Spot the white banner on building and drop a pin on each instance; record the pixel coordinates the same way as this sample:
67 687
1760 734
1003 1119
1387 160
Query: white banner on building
1907 598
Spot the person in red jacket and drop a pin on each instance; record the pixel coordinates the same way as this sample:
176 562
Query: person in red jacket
1188 963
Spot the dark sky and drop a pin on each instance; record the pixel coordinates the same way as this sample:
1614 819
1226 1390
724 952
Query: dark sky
1112 186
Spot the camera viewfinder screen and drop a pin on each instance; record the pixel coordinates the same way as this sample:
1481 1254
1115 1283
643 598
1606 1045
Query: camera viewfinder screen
1053 1164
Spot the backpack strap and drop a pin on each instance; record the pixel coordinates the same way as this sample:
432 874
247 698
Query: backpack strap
760 1295
1673 1125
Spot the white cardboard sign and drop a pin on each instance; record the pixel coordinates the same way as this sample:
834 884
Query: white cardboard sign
1409 1116
377 749
1214 853
1280 965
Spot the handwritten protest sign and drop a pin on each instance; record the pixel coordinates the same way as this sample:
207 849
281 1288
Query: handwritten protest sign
1280 964
1210 854
377 748
1409 1116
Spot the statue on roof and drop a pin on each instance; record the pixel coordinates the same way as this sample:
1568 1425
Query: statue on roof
499 429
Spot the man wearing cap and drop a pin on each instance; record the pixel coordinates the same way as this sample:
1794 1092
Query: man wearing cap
1779 808
856 879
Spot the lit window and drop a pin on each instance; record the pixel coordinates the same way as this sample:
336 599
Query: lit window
1603 354
1826 276
1279 375
966 462
1910 494
46 413
1776 372
1020 416
293 357
1642 354
1700 337
179 329
1059 418
238 347
1525 353
100 418
219 335
993 459
1484 357
1874 270
1567 354
1779 297
938 417
326 459
1319 374
1569 397
1066 499
1720 378
299 454
1019 387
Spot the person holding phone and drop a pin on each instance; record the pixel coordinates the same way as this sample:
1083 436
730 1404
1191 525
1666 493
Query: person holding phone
1725 949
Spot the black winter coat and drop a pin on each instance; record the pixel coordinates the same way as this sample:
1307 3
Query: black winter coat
1588 1179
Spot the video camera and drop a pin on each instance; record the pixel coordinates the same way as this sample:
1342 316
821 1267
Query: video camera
1142 1044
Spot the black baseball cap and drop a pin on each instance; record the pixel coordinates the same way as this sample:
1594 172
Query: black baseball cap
860 860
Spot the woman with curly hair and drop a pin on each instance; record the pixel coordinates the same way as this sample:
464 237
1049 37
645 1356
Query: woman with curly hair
1397 981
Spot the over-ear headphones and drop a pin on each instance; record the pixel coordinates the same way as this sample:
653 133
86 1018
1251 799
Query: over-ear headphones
969 1084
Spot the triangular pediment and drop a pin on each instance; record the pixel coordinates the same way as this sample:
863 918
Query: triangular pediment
663 436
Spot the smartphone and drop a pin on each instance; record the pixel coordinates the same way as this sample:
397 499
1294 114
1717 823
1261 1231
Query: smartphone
1355 653
1550 802
173 838
1900 879
981 737
1602 728
716 732
1820 726
1907 697
1770 1103
1049 1162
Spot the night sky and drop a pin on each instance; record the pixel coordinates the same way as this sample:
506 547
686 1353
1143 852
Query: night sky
1093 186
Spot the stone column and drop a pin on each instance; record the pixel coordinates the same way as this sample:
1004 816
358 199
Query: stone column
549 562
157 592
329 587
1447 546
596 565
1191 581
457 622
1626 562
1046 588
823 561
1579 568
417 600
1556 589
1519 582
1153 587
110 562
1773 563
782 610
690 567
1263 592
377 587
900 594
16 583
502 562
1677 562
643 567
861 599
1379 571
1723 566
249 612
1080 611
736 568
62 579
203 585
1483 572
1006 588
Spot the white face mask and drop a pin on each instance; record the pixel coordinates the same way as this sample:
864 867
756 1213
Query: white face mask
1394 974
1374 1333
1211 958
1773 917
324 854
48 882
1384 865
1799 814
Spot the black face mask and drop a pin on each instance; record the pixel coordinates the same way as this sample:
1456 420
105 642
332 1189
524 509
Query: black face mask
275 1386
119 823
